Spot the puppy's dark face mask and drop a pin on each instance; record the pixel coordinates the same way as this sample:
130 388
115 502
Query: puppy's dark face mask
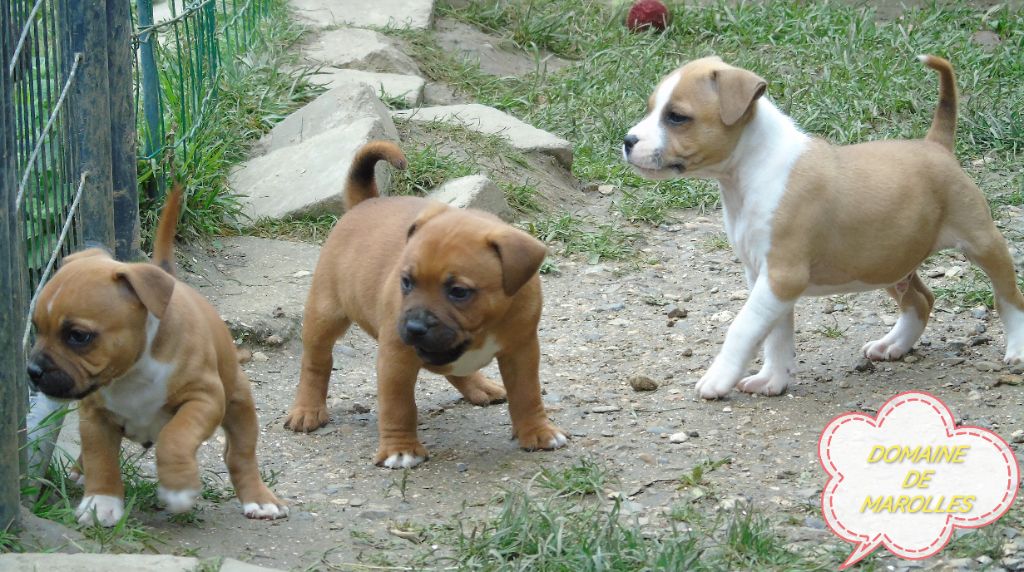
458 275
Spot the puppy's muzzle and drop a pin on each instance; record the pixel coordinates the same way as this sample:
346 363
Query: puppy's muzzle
53 381
435 342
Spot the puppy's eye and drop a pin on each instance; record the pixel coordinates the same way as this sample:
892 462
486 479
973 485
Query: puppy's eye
78 338
407 284
673 118
459 293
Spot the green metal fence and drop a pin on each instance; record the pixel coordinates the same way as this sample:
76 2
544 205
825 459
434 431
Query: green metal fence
73 74
181 59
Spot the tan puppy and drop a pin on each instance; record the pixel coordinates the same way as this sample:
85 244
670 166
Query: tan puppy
809 218
150 360
441 289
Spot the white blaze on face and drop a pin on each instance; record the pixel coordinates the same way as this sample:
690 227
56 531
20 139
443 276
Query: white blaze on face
650 132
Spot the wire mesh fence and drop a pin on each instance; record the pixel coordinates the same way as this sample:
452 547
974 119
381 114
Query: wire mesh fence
181 59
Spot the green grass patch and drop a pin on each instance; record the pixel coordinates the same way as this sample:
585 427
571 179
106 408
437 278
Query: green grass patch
596 242
428 169
584 477
840 71
313 229
973 289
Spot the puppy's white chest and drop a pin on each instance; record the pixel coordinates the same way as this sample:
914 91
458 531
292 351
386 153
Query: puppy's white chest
137 400
474 360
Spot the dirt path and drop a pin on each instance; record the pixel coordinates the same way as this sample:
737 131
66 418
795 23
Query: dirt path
602 324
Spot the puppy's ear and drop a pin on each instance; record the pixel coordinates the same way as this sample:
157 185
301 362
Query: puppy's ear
521 256
433 209
738 89
151 284
83 254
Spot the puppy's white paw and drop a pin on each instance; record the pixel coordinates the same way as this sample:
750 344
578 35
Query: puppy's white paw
765 383
1013 356
177 501
716 383
558 441
103 510
266 511
884 350
403 461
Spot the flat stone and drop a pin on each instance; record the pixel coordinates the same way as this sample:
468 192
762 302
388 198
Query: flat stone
97 562
474 191
360 49
310 155
223 275
337 108
494 55
408 88
491 121
318 14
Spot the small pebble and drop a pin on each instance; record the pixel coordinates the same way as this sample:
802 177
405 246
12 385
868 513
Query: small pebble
605 409
680 437
259 356
864 364
980 312
687 352
1017 436
988 366
675 312
911 359
461 467
642 383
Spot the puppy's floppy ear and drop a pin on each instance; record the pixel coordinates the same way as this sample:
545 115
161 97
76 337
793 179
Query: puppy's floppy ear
83 254
521 256
151 284
433 209
738 89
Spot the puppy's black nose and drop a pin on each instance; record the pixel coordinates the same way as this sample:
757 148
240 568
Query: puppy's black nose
415 327
35 372
628 142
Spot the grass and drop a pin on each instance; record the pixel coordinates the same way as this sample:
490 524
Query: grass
973 289
837 69
555 531
255 93
428 169
585 477
598 242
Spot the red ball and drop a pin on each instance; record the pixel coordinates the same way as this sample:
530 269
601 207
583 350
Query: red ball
645 14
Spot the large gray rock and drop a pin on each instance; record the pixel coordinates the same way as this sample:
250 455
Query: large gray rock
343 104
414 14
309 155
356 48
489 120
407 87
474 191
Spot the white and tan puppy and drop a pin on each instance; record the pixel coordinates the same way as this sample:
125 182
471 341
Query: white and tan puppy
150 360
809 218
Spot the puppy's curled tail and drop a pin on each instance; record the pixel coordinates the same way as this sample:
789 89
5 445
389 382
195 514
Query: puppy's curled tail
163 242
943 129
361 183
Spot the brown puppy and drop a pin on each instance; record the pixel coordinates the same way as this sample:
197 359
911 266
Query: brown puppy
441 289
152 361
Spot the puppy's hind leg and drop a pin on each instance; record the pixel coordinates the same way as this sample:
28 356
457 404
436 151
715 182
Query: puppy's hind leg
478 389
242 429
988 249
915 300
779 358
321 327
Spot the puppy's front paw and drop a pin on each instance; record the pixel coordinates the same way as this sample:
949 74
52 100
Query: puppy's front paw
305 419
716 384
1013 356
263 505
177 501
546 437
103 510
885 349
773 383
400 456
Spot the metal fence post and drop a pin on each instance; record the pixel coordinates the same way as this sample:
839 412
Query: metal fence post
12 393
91 119
123 130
